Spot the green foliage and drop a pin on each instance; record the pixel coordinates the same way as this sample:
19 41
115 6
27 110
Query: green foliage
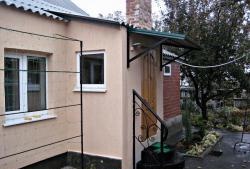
115 16
229 118
200 123
188 105
187 125
233 127
197 120
222 28
208 140
230 115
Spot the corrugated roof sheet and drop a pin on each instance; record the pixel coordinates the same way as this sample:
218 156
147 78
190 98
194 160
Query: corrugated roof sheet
67 4
175 39
168 53
43 8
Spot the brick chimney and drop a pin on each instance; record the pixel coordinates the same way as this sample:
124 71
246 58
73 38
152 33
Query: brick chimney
139 13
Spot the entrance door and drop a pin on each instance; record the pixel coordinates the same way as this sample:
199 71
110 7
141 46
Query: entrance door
149 94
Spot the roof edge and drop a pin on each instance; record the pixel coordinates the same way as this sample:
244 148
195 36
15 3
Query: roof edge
157 33
132 29
89 18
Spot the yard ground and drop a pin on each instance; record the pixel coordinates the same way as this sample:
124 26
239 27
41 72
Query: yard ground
68 167
228 160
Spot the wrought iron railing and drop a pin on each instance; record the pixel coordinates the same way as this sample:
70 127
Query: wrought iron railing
152 120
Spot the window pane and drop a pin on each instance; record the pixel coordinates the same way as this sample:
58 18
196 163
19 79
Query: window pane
167 69
36 83
93 68
11 84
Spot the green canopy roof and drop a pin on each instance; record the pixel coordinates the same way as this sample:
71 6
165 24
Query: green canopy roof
173 39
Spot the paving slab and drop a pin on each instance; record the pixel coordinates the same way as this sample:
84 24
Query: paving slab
68 167
230 159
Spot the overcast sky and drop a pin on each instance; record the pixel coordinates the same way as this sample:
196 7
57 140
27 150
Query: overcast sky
94 7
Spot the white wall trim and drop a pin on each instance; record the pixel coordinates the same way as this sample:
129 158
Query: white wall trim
98 155
170 70
28 119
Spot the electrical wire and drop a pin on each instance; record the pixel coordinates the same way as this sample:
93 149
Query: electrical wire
67 139
52 108
209 66
61 37
39 71
35 34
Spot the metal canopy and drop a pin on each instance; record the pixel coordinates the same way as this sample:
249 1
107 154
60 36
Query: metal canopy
165 38
173 39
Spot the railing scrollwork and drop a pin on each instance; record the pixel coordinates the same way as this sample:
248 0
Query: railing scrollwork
150 123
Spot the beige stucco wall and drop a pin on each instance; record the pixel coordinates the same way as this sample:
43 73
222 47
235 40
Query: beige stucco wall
102 111
133 80
107 115
18 138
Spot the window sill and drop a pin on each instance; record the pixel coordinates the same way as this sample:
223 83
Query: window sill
28 119
91 90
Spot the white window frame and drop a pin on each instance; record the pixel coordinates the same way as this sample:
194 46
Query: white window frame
21 118
22 97
91 87
170 70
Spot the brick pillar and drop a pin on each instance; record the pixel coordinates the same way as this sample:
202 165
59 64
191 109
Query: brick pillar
171 92
139 13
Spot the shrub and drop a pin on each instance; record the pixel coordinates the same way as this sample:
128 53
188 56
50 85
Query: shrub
208 140
187 125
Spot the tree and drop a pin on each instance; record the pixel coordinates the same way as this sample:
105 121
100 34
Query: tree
115 16
222 28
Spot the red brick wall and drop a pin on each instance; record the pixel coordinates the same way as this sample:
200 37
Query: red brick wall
171 92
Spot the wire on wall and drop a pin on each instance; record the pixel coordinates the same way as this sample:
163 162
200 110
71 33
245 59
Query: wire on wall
64 38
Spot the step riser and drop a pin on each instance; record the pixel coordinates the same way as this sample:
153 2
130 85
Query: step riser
179 165
150 157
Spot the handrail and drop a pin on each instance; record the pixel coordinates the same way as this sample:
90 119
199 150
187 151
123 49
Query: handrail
145 103
163 128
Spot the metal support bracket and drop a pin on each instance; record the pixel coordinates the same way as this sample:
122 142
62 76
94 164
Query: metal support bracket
161 57
129 60
172 60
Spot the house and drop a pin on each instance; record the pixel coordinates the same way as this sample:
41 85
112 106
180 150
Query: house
42 74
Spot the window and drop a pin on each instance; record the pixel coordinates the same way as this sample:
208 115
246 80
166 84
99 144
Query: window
12 85
167 70
36 87
25 85
93 67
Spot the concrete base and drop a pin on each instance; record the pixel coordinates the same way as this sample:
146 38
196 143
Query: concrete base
72 160
91 161
174 125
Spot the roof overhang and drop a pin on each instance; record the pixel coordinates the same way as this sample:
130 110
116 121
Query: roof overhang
87 18
172 39
163 38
